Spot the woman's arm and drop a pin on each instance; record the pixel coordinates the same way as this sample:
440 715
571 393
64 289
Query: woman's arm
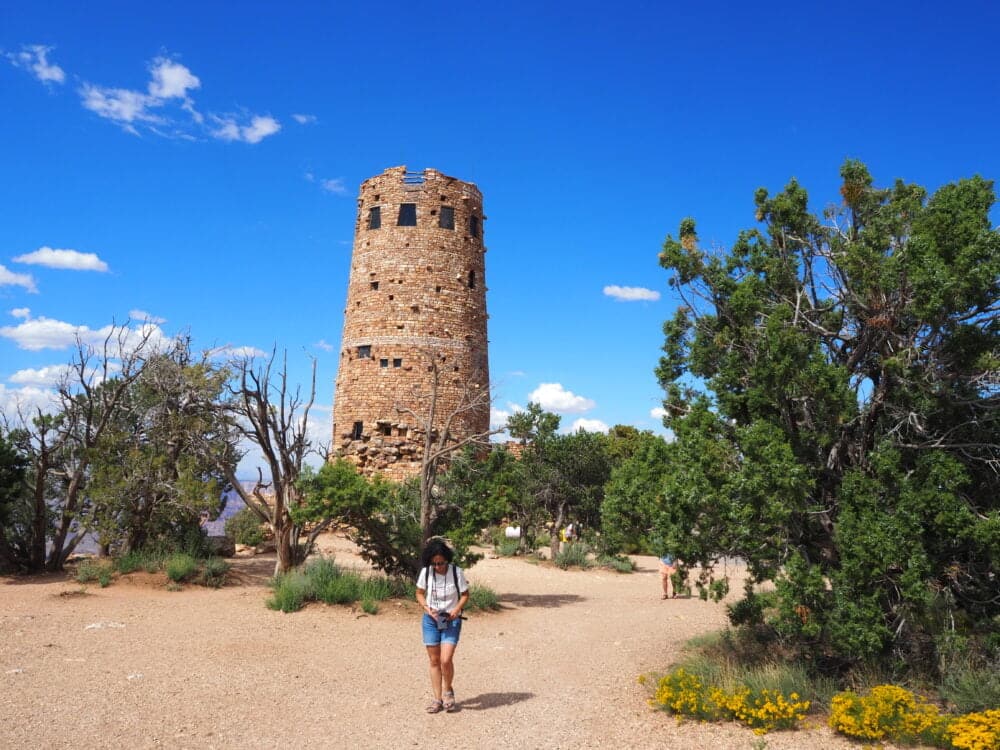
462 601
422 601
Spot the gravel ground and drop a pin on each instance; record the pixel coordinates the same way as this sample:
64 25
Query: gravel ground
135 665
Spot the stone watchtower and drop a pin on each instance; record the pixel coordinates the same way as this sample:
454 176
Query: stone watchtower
416 304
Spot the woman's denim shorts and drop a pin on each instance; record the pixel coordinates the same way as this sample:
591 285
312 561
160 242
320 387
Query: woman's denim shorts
435 637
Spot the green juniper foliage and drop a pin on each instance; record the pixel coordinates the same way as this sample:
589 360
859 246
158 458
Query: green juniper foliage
833 387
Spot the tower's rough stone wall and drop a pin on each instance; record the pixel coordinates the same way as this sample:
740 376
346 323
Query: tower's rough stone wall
416 295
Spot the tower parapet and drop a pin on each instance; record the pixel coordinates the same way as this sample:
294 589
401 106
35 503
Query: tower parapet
416 308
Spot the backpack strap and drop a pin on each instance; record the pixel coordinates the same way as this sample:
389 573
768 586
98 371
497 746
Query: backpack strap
454 572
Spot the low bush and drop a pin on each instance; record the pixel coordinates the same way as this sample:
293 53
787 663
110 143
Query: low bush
245 528
506 547
482 598
975 731
620 563
574 556
180 567
95 570
369 606
149 560
291 591
214 572
686 695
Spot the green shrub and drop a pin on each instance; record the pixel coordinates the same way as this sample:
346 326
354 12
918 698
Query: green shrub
214 572
482 598
574 556
376 588
506 547
291 591
149 560
369 606
181 566
616 562
245 528
345 589
95 570
972 689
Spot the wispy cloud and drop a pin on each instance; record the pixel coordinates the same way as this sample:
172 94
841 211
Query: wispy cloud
227 128
324 345
658 412
304 119
145 317
21 312
9 278
335 186
631 293
43 377
34 59
35 334
553 397
236 352
588 425
70 260
27 400
161 108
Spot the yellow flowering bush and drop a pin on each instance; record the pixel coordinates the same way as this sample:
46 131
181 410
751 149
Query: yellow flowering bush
682 693
978 731
887 712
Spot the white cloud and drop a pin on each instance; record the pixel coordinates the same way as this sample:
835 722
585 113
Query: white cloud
46 333
588 425
304 119
145 317
658 412
21 312
171 80
236 352
43 377
9 278
324 345
122 106
335 186
72 260
27 401
228 129
553 397
34 57
631 293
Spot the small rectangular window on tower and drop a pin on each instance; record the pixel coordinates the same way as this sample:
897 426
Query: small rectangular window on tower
474 225
384 428
365 351
374 286
407 215
358 431
472 279
397 363
374 217
447 219
383 363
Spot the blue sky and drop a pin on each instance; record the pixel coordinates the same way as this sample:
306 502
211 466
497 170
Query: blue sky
200 161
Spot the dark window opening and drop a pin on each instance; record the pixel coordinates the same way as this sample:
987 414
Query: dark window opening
407 215
437 289
472 279
397 363
401 431
358 431
447 218
374 286
474 225
391 297
384 428
375 217
365 351
383 363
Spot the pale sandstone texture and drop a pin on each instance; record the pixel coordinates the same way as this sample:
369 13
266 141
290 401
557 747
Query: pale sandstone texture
416 295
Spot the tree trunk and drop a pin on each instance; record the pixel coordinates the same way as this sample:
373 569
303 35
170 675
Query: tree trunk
36 560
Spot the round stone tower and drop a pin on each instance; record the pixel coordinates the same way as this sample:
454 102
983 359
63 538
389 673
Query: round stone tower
415 315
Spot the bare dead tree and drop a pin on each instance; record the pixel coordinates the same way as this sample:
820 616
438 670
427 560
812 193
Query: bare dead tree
274 417
437 425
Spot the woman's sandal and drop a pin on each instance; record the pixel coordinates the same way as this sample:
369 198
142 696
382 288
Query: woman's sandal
449 702
434 707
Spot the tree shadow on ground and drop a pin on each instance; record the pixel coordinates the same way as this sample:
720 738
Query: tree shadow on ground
541 600
486 701
252 571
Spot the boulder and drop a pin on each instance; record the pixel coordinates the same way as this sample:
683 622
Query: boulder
221 545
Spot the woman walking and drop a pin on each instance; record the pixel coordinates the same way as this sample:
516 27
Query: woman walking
442 591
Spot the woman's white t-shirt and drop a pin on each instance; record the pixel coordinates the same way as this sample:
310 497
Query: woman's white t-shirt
440 590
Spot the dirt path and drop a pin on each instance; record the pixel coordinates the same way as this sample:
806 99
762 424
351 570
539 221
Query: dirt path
134 665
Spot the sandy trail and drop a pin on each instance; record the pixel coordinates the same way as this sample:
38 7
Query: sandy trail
136 665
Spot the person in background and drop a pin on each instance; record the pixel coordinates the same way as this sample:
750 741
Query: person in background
668 566
442 591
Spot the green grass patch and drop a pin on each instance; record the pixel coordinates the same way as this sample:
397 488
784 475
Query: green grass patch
506 547
180 567
482 598
369 606
291 591
576 555
214 572
619 563
95 570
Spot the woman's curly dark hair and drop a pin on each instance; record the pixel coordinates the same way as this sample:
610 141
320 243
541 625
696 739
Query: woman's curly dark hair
434 548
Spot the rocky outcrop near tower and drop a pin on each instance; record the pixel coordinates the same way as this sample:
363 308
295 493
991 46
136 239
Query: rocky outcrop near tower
415 315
